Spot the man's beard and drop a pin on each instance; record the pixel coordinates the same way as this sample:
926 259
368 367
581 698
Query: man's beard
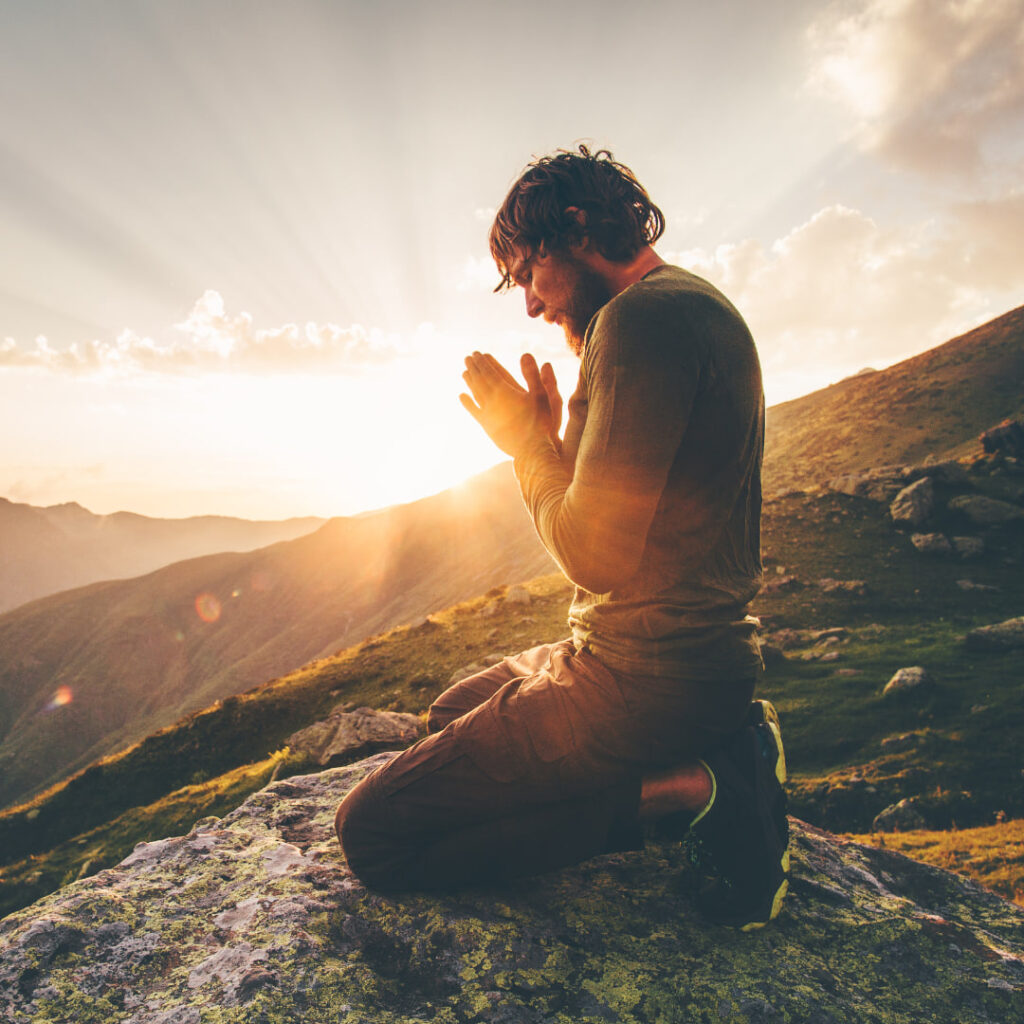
588 295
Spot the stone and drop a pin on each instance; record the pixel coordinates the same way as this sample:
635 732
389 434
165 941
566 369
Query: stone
911 678
1006 438
347 735
914 504
901 817
465 671
971 585
931 543
983 511
898 744
830 586
968 547
1002 636
864 935
517 595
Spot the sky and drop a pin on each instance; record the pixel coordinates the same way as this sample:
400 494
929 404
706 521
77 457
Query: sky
243 243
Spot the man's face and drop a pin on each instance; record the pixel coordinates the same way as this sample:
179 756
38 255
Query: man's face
563 289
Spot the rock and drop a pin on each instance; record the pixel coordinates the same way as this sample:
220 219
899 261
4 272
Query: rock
1006 437
776 583
908 679
864 935
914 504
465 672
831 586
971 585
832 633
968 547
517 596
345 735
984 511
897 744
1003 636
931 543
901 817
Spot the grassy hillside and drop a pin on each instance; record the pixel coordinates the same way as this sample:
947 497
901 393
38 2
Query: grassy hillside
132 656
936 403
956 749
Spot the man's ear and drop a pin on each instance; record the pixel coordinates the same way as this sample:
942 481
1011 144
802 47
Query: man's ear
582 239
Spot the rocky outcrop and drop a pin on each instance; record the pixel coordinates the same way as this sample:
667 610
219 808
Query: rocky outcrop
350 733
983 511
1002 636
1006 438
254 918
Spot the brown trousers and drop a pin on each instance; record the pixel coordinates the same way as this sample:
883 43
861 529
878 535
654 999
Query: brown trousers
530 765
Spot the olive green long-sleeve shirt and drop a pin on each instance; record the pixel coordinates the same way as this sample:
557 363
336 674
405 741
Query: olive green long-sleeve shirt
653 506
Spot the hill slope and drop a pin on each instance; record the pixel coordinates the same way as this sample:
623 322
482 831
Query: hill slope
46 550
88 671
936 403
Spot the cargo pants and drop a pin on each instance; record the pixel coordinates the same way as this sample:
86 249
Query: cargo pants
530 765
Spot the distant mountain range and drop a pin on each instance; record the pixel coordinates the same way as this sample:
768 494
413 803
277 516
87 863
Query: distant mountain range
87 672
57 547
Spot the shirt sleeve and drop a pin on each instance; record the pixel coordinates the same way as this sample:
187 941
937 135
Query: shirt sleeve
641 377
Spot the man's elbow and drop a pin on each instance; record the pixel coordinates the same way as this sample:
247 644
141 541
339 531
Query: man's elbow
599 575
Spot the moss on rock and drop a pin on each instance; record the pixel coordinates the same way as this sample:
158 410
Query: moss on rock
253 918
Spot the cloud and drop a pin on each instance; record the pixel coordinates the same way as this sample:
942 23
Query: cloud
932 82
840 292
211 340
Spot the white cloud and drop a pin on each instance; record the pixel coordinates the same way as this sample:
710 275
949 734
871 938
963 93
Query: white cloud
840 292
210 339
932 82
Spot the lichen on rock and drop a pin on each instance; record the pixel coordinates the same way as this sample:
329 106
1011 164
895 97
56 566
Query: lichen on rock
256 918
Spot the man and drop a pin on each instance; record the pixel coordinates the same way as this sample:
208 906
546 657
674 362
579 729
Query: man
651 506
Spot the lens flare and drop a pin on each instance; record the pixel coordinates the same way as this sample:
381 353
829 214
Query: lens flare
61 697
207 607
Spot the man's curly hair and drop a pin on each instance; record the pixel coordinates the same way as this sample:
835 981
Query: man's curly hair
537 214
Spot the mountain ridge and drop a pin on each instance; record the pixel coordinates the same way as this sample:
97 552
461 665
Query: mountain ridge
52 548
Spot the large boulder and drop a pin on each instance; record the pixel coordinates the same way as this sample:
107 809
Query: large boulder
348 734
255 918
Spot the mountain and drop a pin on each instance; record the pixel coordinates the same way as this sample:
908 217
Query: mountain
936 403
255 917
85 672
46 550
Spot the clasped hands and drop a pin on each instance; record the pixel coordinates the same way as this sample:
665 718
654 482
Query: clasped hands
513 417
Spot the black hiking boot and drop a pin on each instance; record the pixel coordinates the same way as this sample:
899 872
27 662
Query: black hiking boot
744 828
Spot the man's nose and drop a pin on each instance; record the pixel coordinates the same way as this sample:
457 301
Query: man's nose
534 307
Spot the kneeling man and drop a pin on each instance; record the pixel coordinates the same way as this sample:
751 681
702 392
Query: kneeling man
651 505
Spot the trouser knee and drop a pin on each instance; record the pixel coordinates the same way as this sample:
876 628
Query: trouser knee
364 837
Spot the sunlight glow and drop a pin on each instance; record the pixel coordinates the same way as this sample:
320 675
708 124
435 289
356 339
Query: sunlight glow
207 607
